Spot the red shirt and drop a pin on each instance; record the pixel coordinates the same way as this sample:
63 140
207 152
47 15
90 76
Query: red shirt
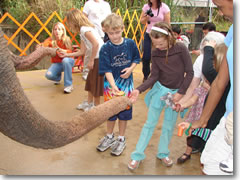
48 43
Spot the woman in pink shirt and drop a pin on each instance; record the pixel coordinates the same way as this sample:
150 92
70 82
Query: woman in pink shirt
152 12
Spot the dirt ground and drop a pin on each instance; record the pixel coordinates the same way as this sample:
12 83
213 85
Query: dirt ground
81 156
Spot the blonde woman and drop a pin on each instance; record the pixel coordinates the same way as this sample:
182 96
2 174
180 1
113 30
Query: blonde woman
60 40
90 41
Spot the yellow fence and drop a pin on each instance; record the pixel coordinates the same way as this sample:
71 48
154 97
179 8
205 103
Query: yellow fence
133 29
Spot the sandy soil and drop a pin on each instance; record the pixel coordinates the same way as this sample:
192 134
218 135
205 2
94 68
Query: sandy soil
81 156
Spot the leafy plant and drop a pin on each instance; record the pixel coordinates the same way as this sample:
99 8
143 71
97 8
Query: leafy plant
18 9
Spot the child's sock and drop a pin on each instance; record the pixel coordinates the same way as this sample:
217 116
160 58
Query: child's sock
121 138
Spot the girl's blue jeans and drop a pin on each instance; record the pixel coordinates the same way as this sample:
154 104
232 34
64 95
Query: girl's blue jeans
54 73
155 105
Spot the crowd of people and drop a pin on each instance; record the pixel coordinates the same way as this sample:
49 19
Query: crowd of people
205 87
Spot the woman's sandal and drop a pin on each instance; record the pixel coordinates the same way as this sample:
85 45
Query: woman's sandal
167 161
183 158
133 164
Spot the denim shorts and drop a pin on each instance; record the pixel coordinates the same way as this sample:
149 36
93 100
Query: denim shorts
123 115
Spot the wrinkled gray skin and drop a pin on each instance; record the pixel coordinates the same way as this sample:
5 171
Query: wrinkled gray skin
22 123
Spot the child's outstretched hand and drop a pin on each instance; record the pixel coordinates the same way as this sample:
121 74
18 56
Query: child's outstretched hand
185 125
134 95
177 107
115 90
62 53
126 73
177 97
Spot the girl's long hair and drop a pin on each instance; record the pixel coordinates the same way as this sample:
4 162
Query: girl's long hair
159 4
76 19
65 39
219 52
170 37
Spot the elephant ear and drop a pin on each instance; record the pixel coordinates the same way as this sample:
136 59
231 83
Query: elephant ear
22 123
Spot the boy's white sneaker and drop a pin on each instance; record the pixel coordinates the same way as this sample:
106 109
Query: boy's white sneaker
118 147
105 143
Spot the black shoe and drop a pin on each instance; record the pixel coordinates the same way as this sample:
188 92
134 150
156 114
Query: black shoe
183 158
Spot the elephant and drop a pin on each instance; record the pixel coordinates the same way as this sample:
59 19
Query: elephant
21 122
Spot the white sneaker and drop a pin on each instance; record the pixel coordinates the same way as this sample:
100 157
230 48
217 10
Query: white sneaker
56 82
105 143
68 89
227 165
83 105
84 76
118 147
90 106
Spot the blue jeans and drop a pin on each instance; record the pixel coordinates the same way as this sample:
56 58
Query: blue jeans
156 106
54 73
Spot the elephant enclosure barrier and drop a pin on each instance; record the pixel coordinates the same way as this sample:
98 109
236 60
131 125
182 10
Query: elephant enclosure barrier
133 29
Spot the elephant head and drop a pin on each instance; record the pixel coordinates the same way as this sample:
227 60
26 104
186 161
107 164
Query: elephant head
22 123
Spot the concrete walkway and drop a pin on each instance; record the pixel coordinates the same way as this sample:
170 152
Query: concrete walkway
81 156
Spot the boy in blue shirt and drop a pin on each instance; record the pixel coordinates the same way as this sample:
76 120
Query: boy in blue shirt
118 57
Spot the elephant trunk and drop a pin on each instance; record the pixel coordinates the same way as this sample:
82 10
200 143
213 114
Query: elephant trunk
21 122
25 62
22 63
24 124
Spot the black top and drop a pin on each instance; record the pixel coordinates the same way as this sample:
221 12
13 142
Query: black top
177 73
208 69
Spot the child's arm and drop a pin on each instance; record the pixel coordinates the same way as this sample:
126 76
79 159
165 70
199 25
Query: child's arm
208 69
134 95
194 84
190 102
95 45
188 73
111 81
127 71
80 52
